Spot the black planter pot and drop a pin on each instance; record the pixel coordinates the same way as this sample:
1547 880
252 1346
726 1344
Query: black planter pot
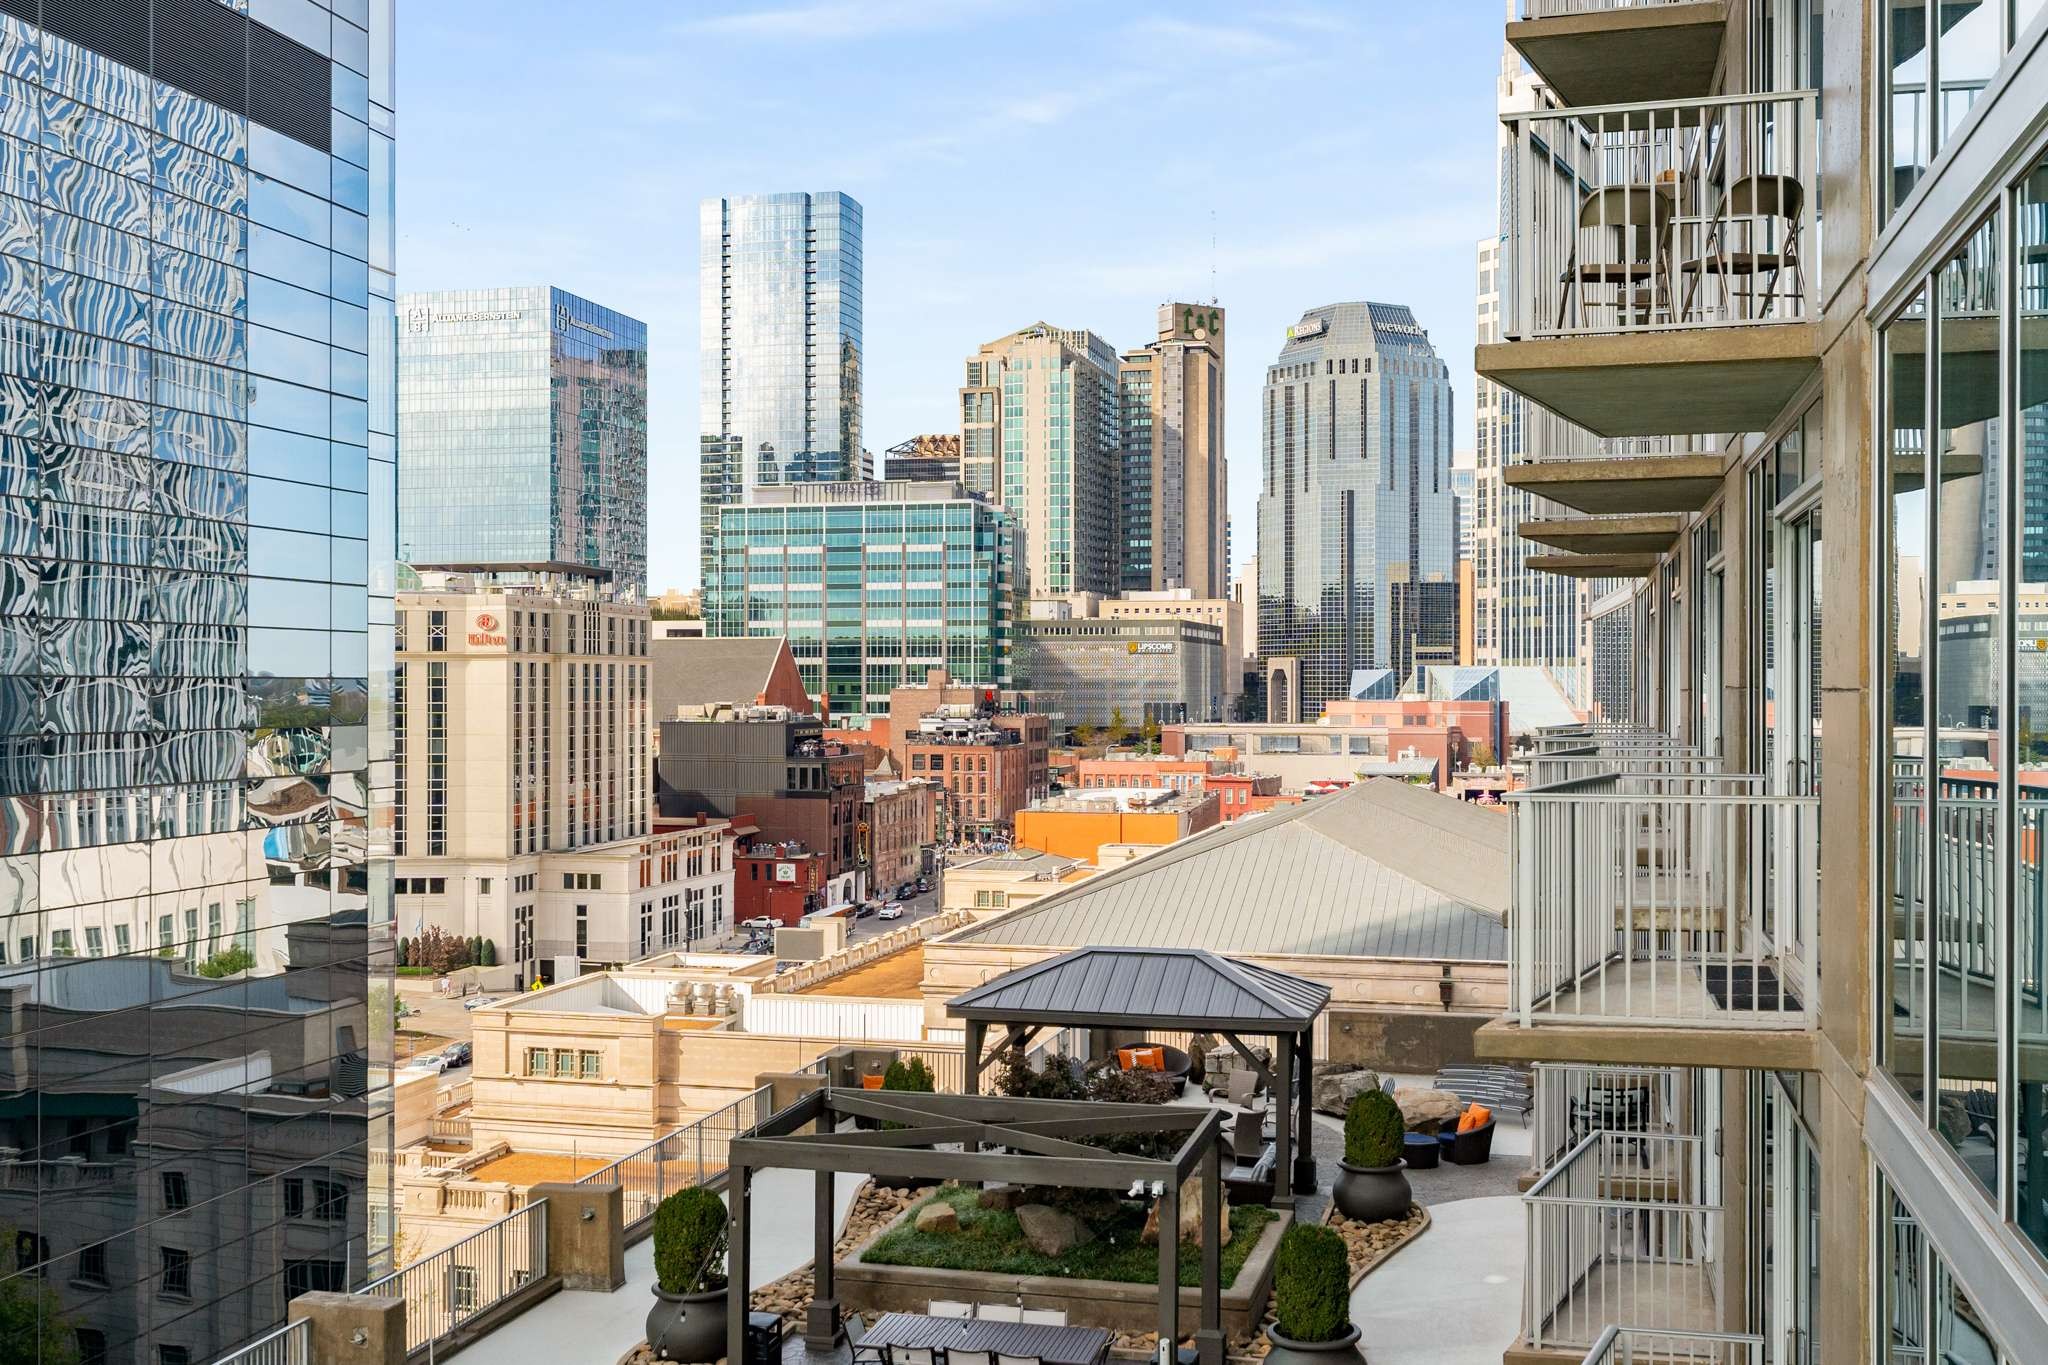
1287 1351
689 1328
1372 1194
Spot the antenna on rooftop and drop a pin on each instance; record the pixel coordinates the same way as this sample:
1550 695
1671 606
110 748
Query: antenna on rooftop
1212 253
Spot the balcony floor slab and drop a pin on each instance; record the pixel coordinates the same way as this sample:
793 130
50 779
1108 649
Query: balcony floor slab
1634 486
1637 535
1623 56
1780 1049
1678 1298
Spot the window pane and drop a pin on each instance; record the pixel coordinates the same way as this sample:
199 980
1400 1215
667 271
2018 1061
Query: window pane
1905 365
1969 54
2030 948
1967 702
1906 129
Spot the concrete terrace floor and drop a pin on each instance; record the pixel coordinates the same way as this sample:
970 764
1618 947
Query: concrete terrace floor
596 1329
1453 1296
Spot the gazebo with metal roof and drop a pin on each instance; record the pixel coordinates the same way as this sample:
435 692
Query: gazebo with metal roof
974 1139
1166 988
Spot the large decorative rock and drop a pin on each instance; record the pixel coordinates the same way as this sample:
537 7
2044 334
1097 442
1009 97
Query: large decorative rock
1190 1217
1428 1106
938 1216
1004 1198
1050 1232
1335 1090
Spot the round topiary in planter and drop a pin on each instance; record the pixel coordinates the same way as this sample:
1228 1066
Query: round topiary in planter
687 1322
1373 1186
1312 1300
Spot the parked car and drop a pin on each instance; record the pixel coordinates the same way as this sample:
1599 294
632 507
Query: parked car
760 922
457 1055
893 910
923 885
477 1002
864 910
432 1061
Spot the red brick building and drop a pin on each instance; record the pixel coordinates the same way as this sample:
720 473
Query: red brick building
1241 794
782 881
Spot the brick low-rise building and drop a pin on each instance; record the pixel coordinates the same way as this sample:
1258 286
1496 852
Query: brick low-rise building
899 822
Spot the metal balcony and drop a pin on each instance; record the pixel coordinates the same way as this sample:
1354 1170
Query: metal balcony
1628 1346
1662 270
1664 896
1627 1230
1608 51
1574 1100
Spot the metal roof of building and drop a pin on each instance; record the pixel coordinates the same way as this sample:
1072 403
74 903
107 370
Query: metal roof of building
1380 869
699 670
1173 988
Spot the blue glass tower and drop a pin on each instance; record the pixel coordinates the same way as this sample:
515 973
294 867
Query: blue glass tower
780 346
523 414
197 447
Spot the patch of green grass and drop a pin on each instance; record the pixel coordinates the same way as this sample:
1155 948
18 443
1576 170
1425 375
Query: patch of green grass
992 1240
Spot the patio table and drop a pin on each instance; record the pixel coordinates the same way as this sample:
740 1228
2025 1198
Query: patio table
1053 1345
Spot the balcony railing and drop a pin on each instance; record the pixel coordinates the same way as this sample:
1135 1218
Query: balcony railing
447 1289
1627 1346
691 1155
1664 898
1636 218
1576 1099
291 1344
1626 1230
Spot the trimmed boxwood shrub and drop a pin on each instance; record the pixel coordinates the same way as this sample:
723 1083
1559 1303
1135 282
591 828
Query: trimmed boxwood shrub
912 1075
689 1242
1312 1284
1373 1129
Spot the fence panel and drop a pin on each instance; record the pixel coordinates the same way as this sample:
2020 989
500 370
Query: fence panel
448 1288
291 1344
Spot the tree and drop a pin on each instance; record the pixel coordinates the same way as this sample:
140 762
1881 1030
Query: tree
1084 735
1482 755
1119 728
404 949
234 958
33 1329
489 957
1149 732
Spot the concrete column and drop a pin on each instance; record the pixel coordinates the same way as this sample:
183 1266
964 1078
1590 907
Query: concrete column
1283 1122
352 1329
586 1235
821 1324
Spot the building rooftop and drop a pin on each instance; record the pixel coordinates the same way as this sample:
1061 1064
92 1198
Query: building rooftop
1100 800
1112 987
1021 862
899 976
1380 869
711 670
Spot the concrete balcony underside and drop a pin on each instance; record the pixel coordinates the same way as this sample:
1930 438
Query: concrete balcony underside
1621 56
1593 566
1649 1045
1677 382
1634 486
1642 535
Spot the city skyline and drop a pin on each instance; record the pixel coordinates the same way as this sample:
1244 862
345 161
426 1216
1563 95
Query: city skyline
1104 246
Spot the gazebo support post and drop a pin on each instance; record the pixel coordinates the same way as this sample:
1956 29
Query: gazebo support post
739 1292
821 1324
1209 1336
973 1039
1305 1157
1283 1123
1169 1270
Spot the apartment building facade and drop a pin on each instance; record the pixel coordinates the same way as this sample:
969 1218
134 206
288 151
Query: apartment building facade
1828 982
1172 526
521 743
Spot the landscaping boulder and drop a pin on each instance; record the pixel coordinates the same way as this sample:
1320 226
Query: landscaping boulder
1190 1217
1003 1198
1335 1090
938 1216
1422 1107
1050 1232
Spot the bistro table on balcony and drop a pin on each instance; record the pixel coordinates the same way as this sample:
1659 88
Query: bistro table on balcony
1053 1345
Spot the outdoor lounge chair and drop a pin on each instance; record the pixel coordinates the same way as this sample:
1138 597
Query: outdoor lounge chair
1473 1147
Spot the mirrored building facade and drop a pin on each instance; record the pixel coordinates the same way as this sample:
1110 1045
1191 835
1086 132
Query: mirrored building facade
779 344
197 453
524 420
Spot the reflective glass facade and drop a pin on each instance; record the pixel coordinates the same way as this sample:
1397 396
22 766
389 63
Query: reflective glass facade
523 413
872 583
197 445
1357 527
780 345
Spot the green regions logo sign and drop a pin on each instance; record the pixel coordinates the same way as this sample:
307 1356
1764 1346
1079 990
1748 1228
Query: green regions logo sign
1200 323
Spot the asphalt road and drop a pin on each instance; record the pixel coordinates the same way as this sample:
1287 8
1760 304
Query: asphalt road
914 909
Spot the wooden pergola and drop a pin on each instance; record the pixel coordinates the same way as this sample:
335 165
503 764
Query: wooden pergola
1143 989
978 1139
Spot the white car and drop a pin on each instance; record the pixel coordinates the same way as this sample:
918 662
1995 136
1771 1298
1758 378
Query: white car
893 910
760 922
432 1061
477 1002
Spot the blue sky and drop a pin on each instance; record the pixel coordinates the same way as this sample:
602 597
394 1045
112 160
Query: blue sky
1065 161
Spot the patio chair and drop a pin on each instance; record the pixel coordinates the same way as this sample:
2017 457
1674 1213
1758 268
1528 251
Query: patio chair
1744 239
911 1355
1046 1317
1005 1358
969 1358
999 1312
1473 1147
1247 1135
1635 222
950 1308
856 1331
1240 1085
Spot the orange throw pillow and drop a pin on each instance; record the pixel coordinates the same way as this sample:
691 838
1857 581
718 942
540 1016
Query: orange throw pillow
1475 1116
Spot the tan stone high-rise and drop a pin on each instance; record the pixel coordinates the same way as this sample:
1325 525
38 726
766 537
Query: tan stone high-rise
1172 520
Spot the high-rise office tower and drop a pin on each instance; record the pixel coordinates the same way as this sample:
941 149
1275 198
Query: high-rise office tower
779 333
197 439
523 413
1356 537
1040 433
1172 527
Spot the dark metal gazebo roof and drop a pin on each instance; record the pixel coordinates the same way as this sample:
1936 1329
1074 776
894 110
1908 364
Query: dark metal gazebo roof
1147 988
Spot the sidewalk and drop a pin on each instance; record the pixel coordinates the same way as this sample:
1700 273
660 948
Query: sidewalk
596 1329
1453 1296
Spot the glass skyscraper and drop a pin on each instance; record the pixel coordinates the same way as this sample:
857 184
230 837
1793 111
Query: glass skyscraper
523 413
873 584
780 346
1357 533
197 445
